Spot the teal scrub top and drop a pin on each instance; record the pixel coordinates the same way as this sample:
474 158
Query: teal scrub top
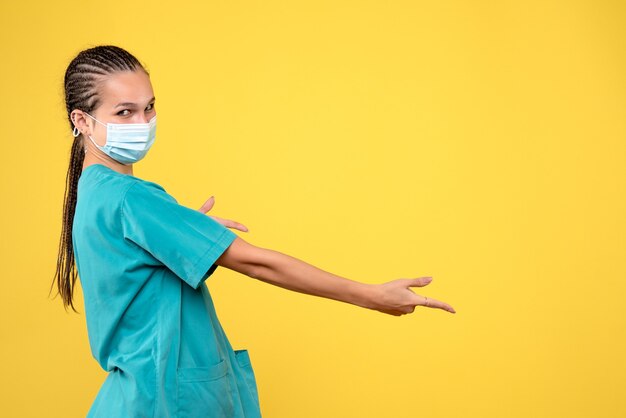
142 262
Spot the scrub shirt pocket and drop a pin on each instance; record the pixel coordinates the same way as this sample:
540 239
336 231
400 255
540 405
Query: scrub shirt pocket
204 392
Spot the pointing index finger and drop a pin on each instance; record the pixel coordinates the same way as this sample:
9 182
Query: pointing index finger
434 303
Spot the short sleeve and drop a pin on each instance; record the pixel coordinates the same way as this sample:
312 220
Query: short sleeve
185 240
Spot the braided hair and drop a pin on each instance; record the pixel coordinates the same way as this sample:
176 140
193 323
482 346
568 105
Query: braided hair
83 77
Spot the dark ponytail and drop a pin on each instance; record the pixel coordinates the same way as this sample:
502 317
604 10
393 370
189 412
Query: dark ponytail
81 84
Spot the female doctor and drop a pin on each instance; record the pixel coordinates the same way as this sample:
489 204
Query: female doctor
142 260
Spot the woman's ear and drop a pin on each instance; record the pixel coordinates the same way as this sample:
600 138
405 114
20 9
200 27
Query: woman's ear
80 122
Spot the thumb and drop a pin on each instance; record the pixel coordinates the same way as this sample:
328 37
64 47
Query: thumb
420 281
207 205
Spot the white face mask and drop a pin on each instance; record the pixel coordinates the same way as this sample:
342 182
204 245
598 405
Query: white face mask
127 143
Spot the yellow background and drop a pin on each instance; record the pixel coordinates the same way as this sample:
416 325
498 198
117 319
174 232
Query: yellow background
480 142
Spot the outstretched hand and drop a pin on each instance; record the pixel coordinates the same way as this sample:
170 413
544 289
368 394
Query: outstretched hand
395 297
226 222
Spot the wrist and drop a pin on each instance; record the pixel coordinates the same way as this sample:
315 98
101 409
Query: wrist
362 295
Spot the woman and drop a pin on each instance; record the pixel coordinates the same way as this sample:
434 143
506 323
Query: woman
143 260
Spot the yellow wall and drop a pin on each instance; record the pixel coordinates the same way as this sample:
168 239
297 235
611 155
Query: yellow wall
480 142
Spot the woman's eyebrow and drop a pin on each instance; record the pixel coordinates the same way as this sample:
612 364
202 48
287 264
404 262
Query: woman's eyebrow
130 104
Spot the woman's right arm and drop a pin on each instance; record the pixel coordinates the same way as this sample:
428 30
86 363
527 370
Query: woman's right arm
394 297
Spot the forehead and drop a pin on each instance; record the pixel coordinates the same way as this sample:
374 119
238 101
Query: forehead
126 86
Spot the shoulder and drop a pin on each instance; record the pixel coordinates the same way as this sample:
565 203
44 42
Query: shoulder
136 185
101 179
139 192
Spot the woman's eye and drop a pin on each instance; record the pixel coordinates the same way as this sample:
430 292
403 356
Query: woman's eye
121 112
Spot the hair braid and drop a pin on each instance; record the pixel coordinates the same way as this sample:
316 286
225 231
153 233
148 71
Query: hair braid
83 77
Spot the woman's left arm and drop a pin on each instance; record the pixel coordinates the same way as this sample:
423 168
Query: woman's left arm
274 267
270 266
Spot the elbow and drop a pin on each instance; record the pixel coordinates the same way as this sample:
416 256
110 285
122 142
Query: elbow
257 272
253 272
244 258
